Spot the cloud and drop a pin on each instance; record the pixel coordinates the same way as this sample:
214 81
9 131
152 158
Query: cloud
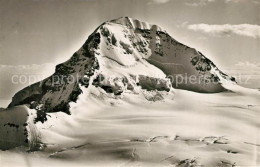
158 1
257 2
45 69
36 72
239 1
16 77
249 65
196 3
247 30
227 1
246 73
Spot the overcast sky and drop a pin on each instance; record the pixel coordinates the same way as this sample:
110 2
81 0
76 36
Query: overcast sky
49 31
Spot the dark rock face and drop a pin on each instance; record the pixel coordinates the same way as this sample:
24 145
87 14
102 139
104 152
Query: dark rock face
150 83
55 92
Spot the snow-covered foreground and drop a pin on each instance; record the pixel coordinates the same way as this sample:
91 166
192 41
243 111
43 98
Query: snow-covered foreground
186 129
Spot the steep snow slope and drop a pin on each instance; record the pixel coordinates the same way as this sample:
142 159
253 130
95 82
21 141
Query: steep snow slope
123 54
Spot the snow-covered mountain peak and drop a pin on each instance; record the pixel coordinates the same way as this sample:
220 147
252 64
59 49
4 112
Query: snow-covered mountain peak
135 24
115 102
129 42
124 56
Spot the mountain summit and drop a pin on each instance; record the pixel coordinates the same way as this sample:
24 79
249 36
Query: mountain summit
118 101
124 55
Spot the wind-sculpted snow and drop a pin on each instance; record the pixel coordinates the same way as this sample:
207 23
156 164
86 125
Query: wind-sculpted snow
115 98
191 129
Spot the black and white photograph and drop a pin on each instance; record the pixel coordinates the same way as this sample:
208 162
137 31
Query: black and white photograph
130 83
